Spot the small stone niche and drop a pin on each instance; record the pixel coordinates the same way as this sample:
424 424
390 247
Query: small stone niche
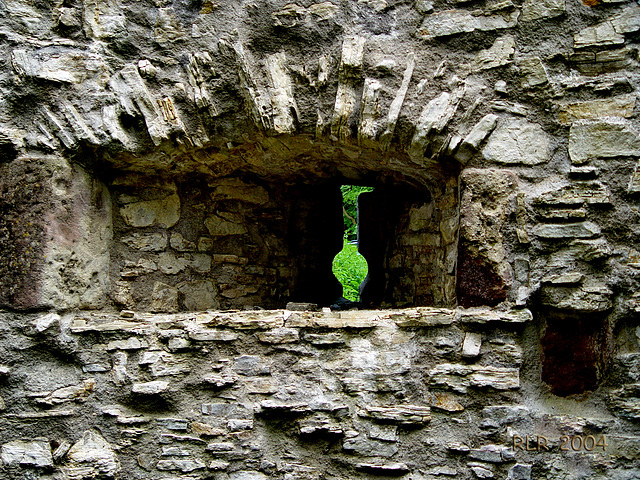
239 242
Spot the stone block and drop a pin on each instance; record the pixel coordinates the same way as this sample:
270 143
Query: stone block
500 53
164 298
475 137
164 364
424 317
576 194
447 402
65 65
24 453
93 456
591 298
620 106
589 140
567 231
163 212
77 393
483 316
471 345
533 72
176 424
459 377
533 10
386 469
400 414
146 242
452 22
492 454
369 448
517 141
602 34
247 475
150 388
184 466
520 471
279 335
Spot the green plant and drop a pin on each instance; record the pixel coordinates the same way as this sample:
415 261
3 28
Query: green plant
350 268
350 195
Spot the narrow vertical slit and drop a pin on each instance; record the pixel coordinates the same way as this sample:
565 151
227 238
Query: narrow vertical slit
349 267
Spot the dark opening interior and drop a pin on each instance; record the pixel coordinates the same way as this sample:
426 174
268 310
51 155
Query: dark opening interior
238 242
396 261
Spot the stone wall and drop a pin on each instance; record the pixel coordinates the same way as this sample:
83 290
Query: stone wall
418 393
168 169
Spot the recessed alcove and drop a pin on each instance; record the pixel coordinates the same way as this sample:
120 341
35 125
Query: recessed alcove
199 242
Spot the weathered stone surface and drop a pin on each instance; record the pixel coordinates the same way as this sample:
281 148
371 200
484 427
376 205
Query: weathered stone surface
517 141
520 471
164 212
91 456
482 316
146 242
475 137
575 194
402 414
164 298
589 298
225 224
481 470
222 131
162 363
56 222
369 448
532 10
566 231
150 388
451 22
626 401
471 345
143 266
434 117
459 377
279 335
184 466
621 106
424 317
247 475
77 393
35 453
610 32
384 469
492 453
602 139
483 270
61 65
447 402
500 53
533 71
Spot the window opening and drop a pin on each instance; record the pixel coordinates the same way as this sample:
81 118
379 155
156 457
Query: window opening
349 266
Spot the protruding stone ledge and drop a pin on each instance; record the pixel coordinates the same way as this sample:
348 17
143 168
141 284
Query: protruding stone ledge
401 414
279 326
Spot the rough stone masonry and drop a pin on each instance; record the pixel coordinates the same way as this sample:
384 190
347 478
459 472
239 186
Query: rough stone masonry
170 176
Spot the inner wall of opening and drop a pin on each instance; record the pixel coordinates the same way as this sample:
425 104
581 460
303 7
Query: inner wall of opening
246 242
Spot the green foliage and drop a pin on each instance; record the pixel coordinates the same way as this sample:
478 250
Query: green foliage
350 268
350 208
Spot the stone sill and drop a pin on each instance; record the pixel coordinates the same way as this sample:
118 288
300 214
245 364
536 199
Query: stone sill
197 324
